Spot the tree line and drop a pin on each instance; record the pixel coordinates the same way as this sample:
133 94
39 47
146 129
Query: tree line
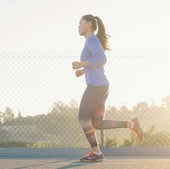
60 127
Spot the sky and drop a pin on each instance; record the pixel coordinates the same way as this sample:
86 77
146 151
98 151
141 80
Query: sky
33 31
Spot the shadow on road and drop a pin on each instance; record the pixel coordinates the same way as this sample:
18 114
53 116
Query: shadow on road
75 164
41 164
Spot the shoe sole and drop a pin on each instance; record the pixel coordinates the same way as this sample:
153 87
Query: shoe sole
92 161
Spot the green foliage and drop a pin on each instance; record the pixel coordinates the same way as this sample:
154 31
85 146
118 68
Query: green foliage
41 145
60 127
111 142
152 138
26 144
13 144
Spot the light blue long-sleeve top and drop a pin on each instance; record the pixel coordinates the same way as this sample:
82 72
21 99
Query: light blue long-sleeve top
93 53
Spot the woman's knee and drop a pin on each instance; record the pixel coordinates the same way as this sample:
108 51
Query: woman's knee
98 123
84 122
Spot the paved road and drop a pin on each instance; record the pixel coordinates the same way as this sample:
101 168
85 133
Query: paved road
65 158
67 163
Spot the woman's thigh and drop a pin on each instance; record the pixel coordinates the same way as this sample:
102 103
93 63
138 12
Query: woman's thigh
92 100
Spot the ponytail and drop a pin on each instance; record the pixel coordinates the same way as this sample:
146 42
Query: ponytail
101 34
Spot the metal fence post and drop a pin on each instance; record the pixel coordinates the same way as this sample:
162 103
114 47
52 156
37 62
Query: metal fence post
102 138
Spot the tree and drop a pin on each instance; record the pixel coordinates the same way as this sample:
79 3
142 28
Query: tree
8 115
166 102
1 117
124 110
141 107
19 114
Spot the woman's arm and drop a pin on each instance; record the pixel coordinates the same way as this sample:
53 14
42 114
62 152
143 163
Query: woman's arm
97 52
98 59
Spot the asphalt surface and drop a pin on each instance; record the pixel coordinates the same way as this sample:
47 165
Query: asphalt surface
68 158
65 163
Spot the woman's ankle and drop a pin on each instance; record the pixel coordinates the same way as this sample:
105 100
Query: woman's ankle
130 124
96 150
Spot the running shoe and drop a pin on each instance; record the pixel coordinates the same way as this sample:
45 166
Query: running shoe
92 157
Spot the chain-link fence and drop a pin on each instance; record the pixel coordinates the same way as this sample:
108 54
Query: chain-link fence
39 98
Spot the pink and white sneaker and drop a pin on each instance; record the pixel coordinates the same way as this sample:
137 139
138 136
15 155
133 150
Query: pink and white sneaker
92 157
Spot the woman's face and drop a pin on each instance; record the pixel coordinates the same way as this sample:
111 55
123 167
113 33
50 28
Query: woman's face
83 27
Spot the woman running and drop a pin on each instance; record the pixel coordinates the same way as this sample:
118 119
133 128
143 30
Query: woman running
92 106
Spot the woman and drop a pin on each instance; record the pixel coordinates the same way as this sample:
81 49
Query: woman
92 106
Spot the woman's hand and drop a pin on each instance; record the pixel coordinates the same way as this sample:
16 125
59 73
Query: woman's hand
78 65
79 73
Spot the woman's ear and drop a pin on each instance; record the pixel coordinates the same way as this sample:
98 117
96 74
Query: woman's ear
89 24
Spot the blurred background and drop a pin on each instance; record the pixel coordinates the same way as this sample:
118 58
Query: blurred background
39 93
